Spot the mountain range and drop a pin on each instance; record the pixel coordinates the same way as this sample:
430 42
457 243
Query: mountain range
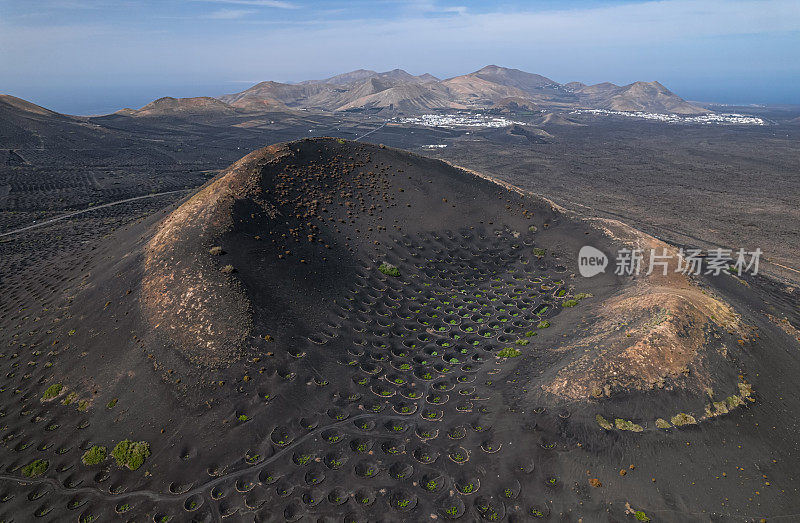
399 92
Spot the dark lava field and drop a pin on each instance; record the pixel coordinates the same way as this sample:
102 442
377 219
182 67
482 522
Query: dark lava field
329 330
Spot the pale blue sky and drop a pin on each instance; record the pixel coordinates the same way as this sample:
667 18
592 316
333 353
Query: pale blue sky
93 56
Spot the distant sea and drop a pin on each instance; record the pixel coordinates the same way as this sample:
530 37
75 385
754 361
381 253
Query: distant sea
95 100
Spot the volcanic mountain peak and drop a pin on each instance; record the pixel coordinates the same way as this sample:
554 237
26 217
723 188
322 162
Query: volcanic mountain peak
325 205
515 78
474 90
636 96
647 86
311 197
652 97
375 85
488 87
404 97
177 106
345 78
276 95
360 75
573 86
398 74
601 86
427 77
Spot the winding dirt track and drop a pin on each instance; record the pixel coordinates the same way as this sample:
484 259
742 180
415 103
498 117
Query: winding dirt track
75 213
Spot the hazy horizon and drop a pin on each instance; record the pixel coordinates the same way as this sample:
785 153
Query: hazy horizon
98 56
96 100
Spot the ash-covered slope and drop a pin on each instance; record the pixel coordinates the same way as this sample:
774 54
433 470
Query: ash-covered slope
339 330
31 135
26 125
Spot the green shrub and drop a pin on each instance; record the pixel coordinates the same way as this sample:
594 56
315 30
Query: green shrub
641 516
543 324
227 269
577 299
35 468
389 269
131 454
680 419
52 391
94 455
509 352
604 423
623 424
539 252
111 404
734 401
72 396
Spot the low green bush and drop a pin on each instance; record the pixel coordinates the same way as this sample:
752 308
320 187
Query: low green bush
509 352
94 455
35 468
389 269
131 454
52 391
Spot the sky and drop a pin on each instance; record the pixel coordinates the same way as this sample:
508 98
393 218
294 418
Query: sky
97 56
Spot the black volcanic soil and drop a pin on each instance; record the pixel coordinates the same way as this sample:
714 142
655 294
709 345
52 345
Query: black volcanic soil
696 185
302 383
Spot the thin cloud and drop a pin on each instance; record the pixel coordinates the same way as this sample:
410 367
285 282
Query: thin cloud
278 4
228 14
425 6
